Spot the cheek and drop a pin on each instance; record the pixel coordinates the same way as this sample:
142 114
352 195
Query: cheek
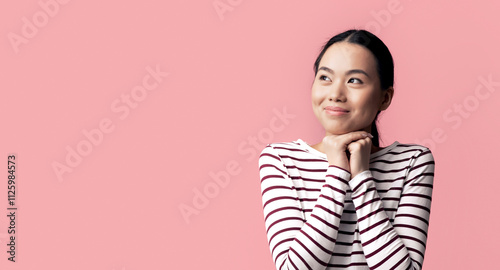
316 100
317 95
367 105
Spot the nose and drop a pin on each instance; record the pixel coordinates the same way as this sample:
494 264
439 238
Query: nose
337 92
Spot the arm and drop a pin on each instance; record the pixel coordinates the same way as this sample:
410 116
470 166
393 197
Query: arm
294 242
400 245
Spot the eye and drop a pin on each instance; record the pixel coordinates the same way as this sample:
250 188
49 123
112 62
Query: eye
323 78
355 79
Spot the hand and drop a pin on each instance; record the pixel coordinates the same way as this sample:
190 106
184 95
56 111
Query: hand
335 147
360 155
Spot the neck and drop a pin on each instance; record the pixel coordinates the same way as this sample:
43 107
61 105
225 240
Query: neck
375 149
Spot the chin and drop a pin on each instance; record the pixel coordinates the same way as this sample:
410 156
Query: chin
340 131
337 132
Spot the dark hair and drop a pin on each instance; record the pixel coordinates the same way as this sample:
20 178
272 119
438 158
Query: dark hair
384 61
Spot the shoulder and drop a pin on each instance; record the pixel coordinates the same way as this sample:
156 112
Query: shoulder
409 150
279 149
418 156
403 155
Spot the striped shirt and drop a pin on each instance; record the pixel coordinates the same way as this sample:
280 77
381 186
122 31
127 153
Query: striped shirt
317 217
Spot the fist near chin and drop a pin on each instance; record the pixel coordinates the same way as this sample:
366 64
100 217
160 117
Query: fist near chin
350 151
359 160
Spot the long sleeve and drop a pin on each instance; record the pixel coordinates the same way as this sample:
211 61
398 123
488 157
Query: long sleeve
294 242
400 245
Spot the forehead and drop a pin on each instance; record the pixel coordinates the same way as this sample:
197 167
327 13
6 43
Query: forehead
343 56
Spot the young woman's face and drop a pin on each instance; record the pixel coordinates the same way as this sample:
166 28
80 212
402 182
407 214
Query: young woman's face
346 94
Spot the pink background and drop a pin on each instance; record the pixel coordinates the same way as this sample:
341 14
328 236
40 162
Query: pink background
228 74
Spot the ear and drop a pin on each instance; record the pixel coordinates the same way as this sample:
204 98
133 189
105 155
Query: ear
386 98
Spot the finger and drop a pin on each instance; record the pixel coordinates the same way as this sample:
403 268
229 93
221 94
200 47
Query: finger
359 144
363 141
342 141
355 136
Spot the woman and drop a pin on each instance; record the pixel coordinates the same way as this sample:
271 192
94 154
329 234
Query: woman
346 202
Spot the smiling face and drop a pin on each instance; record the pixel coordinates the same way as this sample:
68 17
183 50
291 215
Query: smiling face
346 94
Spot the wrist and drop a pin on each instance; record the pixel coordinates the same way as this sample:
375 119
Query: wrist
344 165
358 172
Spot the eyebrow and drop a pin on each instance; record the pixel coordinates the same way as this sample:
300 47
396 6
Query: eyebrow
349 72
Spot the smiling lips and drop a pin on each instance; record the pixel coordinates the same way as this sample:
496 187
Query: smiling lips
331 110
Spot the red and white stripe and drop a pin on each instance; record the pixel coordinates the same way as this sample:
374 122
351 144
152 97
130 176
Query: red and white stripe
317 217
